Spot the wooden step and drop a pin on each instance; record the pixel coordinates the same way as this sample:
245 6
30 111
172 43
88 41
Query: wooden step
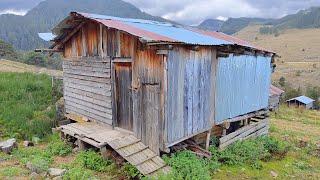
132 149
151 165
123 142
141 157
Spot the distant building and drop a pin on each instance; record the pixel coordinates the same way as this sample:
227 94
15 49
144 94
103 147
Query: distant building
301 101
274 97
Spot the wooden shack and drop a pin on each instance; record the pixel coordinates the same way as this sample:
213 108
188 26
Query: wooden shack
301 102
162 83
275 97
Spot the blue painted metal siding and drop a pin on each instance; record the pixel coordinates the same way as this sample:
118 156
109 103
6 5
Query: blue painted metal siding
243 84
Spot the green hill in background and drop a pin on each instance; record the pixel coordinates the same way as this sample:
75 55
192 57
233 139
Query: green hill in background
21 31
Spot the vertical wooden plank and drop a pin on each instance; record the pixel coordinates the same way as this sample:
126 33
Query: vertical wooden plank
151 102
165 102
208 139
195 93
118 40
114 99
105 41
100 41
213 77
84 41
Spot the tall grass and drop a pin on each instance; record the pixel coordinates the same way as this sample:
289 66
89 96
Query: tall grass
25 101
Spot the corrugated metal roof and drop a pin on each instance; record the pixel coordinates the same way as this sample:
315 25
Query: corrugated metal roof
303 99
153 31
47 36
275 91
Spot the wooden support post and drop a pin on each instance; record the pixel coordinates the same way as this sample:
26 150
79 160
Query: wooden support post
104 153
81 144
208 139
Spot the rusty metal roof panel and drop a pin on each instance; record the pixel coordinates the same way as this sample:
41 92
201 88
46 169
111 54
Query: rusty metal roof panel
153 31
156 31
275 91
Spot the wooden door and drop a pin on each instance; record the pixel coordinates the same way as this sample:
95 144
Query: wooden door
123 78
151 116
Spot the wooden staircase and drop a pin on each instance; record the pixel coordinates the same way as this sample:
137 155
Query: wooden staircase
125 144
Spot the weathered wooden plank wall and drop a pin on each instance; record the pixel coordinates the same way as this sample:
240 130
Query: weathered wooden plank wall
190 96
87 88
87 72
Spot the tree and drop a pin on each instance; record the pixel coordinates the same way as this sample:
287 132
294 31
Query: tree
282 81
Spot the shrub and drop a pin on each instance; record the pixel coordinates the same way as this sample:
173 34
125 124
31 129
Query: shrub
78 173
59 149
250 152
131 171
93 161
186 165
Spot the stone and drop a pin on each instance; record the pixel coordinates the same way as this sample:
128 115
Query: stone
35 140
35 175
53 172
8 145
28 143
60 110
33 168
75 150
57 178
273 174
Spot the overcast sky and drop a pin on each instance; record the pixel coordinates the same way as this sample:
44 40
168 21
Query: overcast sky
194 11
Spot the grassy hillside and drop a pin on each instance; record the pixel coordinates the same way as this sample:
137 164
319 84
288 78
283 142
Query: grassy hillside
299 51
12 66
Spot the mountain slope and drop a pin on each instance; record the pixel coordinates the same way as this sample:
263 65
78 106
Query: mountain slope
21 31
211 24
309 18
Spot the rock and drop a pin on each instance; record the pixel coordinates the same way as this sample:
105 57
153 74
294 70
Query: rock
302 143
27 143
76 149
273 174
53 172
33 168
8 145
57 178
35 175
35 140
60 110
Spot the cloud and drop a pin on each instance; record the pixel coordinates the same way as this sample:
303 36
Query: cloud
194 11
14 11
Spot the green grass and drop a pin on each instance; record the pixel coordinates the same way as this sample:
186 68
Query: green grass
13 172
24 102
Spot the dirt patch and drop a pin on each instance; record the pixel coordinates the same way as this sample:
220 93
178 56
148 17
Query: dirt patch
62 160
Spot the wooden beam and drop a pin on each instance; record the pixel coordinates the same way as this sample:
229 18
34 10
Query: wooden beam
48 50
162 52
208 139
122 60
69 36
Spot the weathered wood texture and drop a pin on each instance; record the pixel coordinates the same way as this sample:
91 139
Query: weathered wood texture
87 88
274 102
147 71
191 81
126 145
250 131
93 39
123 78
